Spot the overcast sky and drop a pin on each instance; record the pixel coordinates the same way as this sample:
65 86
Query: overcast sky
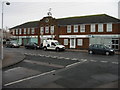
21 11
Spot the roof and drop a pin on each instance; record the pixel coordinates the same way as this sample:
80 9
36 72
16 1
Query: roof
27 25
100 18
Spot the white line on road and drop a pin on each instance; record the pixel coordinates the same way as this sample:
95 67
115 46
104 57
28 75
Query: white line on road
18 81
93 60
73 64
115 62
104 61
13 69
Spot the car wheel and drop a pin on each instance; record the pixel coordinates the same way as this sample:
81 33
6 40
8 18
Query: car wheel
35 48
107 53
45 48
90 52
57 49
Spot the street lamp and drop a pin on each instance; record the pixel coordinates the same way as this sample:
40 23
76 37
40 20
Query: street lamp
1 46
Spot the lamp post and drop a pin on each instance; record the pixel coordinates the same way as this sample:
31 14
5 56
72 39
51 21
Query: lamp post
1 46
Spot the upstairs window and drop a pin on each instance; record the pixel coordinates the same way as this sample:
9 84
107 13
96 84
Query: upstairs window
68 28
41 30
109 27
32 31
92 27
82 28
28 32
52 29
25 30
13 31
16 31
20 31
75 28
46 29
100 27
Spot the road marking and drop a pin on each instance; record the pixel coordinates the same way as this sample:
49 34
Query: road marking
12 69
104 61
115 62
32 77
44 63
74 59
72 64
93 60
67 58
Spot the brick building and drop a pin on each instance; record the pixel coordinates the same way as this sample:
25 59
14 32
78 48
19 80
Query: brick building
73 32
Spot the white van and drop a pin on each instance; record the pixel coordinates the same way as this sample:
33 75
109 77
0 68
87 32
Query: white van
52 45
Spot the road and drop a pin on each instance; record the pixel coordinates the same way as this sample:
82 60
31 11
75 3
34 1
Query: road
50 69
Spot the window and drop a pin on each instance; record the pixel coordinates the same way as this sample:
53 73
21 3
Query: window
32 31
75 28
25 31
82 28
13 31
80 42
52 29
46 29
115 44
16 31
41 30
68 28
28 32
100 27
65 41
92 28
109 27
20 31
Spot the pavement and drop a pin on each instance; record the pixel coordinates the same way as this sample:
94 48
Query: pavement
11 58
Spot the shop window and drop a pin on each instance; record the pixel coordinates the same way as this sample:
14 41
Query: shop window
68 28
65 41
75 28
80 42
115 44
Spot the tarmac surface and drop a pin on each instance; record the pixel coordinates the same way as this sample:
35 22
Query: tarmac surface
12 58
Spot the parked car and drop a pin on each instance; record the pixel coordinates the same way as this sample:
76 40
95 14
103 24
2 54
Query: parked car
52 45
12 44
32 45
100 49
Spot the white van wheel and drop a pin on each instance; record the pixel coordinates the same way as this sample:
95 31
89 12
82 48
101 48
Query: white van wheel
107 53
44 48
57 49
90 52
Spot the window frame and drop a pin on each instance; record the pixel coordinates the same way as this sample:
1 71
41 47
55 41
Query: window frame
75 28
68 28
100 27
82 28
92 28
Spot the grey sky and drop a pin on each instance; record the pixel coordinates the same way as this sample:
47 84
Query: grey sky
30 10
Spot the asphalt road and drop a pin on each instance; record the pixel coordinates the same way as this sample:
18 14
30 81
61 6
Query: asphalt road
50 69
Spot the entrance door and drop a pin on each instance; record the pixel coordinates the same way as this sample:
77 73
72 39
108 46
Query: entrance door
72 43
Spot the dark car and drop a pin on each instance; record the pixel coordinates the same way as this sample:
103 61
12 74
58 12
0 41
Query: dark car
32 45
12 44
100 49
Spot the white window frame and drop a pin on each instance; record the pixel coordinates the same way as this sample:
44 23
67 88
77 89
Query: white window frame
52 28
25 30
13 31
68 28
41 30
20 31
75 28
80 42
109 27
28 31
92 28
82 28
32 30
16 31
65 41
100 27
47 29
